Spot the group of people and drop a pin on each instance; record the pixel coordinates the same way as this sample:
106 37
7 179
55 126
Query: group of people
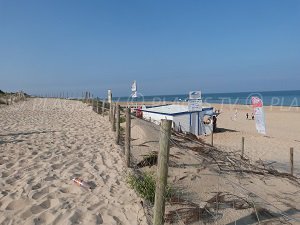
247 116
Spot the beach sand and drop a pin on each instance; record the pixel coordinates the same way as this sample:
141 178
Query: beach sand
282 127
197 178
283 132
44 143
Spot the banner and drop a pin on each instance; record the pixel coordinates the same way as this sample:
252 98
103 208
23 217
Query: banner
259 114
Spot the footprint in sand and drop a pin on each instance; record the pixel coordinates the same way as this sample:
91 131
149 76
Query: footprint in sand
45 204
37 186
9 165
75 218
56 166
118 221
41 207
11 181
5 174
43 218
64 190
51 178
99 219
17 204
36 209
39 194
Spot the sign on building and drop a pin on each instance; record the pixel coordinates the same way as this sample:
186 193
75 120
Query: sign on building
195 95
195 101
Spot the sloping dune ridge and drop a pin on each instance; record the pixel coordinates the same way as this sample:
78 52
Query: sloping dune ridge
44 143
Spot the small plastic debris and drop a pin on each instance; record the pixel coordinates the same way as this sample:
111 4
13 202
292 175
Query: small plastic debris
81 183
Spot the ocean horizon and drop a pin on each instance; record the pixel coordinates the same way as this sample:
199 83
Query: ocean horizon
270 98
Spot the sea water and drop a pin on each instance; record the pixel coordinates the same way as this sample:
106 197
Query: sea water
274 98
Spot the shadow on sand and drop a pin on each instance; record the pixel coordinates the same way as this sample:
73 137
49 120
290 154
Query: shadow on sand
25 133
14 136
223 130
9 142
265 216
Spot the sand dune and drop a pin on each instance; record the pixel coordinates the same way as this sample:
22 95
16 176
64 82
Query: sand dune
44 143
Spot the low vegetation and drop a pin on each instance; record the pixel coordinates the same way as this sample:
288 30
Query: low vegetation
148 160
144 184
122 119
2 92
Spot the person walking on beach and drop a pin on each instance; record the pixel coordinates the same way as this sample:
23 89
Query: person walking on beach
252 116
247 115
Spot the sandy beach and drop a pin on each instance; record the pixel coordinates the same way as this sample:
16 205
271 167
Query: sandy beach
198 178
282 126
44 143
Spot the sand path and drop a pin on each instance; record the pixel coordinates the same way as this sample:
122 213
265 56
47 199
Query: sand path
46 142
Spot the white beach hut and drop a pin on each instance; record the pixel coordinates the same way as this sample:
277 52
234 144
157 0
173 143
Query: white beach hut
183 119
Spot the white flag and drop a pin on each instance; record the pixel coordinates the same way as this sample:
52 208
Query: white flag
134 95
134 90
133 87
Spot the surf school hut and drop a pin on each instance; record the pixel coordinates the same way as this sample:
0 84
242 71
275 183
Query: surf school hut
195 122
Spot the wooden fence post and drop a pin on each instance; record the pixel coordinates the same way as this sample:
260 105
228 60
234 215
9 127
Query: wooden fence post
118 124
127 137
113 118
243 147
162 172
97 106
292 160
103 107
109 99
212 138
92 102
110 111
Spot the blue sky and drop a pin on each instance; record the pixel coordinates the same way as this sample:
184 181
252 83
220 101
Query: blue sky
169 47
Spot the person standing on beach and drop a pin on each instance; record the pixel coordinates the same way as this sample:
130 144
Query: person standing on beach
235 114
247 115
252 116
214 120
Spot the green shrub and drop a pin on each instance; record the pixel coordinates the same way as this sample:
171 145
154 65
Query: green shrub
144 185
122 119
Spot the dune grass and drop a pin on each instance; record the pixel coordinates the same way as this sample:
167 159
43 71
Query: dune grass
145 185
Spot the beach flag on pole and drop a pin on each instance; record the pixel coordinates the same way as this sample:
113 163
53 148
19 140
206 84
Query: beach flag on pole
134 90
259 114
